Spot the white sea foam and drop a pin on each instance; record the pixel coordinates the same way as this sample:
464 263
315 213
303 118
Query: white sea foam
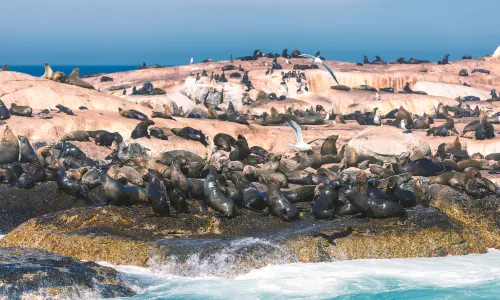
455 276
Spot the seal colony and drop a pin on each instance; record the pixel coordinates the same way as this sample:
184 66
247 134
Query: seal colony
294 157
238 175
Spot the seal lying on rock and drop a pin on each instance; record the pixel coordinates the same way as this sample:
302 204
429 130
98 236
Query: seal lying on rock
65 110
224 141
22 111
121 195
132 114
161 115
190 134
79 135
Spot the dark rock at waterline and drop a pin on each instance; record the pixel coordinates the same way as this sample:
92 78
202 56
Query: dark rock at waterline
18 205
252 240
33 273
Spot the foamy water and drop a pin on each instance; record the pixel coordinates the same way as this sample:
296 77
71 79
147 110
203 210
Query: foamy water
454 277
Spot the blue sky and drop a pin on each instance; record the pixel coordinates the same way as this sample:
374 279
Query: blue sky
169 32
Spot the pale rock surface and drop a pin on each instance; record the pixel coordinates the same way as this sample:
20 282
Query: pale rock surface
496 54
449 90
387 143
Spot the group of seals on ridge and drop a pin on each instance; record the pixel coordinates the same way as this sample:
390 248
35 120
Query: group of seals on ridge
73 78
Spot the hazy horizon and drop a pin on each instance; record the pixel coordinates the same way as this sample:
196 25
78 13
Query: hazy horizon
112 32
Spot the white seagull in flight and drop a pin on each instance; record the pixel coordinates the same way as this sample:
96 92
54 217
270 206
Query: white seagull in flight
191 61
300 146
318 60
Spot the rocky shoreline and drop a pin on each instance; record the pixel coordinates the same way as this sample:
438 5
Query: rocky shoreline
51 231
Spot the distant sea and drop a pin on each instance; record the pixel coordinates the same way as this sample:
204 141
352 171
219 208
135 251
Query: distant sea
39 70
223 54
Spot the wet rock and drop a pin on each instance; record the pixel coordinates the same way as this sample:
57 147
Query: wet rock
18 205
480 215
36 274
185 243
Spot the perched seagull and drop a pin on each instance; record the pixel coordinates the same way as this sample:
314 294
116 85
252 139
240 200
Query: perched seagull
403 126
377 97
288 62
300 146
191 61
319 61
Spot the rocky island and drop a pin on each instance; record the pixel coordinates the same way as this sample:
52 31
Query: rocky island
180 167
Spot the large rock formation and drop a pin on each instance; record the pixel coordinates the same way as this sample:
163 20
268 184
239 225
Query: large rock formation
388 143
38 274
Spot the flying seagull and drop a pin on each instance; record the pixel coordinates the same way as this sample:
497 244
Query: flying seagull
191 61
300 146
318 60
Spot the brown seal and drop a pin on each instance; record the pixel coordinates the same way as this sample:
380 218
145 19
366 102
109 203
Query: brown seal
75 80
329 146
78 135
212 113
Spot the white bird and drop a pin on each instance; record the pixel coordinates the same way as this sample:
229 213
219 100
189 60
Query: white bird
300 145
266 64
377 97
191 61
287 62
327 117
376 120
403 126
318 60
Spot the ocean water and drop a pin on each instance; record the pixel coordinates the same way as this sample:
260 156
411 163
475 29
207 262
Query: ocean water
474 276
38 70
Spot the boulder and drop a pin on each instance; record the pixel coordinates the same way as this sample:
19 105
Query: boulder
211 94
129 151
203 93
38 274
387 143
9 145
